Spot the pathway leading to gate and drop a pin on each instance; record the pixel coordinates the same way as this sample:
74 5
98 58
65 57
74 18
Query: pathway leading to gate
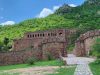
82 64
82 69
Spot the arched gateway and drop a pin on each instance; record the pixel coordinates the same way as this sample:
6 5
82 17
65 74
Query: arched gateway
85 41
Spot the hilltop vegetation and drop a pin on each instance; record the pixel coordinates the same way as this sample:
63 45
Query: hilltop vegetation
17 31
82 18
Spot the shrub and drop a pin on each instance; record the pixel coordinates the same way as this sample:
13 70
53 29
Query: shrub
61 62
31 61
97 61
91 53
50 56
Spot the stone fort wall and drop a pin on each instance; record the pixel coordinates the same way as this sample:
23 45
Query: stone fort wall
53 42
36 39
38 44
21 56
18 57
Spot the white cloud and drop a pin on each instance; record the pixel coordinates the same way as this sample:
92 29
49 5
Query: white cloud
72 5
45 12
8 23
55 8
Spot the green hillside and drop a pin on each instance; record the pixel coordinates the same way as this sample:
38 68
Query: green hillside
83 18
16 31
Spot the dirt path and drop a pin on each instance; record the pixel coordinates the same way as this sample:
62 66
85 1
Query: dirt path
82 64
73 60
32 70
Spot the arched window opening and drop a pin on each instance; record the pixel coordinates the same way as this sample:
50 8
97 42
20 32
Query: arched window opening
51 34
48 34
60 33
43 35
38 35
33 35
28 36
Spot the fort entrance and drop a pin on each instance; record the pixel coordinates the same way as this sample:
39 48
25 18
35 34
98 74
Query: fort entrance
84 43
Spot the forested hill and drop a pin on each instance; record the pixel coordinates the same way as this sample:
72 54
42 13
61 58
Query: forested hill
83 18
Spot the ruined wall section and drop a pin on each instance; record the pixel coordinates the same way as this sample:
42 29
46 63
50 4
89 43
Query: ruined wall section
84 42
37 44
18 57
35 39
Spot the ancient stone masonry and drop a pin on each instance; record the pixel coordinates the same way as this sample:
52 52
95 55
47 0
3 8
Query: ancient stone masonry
85 41
39 44
18 57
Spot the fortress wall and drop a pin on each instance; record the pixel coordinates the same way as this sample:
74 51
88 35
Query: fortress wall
18 57
37 44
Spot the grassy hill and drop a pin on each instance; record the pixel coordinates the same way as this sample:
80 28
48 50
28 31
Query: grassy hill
83 18
17 31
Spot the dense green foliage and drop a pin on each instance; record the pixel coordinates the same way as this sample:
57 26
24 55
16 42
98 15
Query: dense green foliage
95 68
82 18
96 49
18 30
4 45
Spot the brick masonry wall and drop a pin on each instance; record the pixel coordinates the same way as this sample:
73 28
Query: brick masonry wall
53 49
38 44
18 57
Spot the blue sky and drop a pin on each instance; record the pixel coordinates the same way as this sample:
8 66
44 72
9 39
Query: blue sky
15 11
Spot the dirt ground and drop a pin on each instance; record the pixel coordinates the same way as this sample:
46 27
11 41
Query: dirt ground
32 70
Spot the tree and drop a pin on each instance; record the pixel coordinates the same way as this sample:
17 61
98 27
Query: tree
64 9
6 41
1 46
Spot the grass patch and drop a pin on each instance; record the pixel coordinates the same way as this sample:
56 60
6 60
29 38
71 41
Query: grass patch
8 67
41 63
64 71
6 73
95 68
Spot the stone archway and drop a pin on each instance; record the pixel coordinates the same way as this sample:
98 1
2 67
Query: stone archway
85 41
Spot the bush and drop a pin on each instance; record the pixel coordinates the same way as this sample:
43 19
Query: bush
97 61
50 57
61 62
31 61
